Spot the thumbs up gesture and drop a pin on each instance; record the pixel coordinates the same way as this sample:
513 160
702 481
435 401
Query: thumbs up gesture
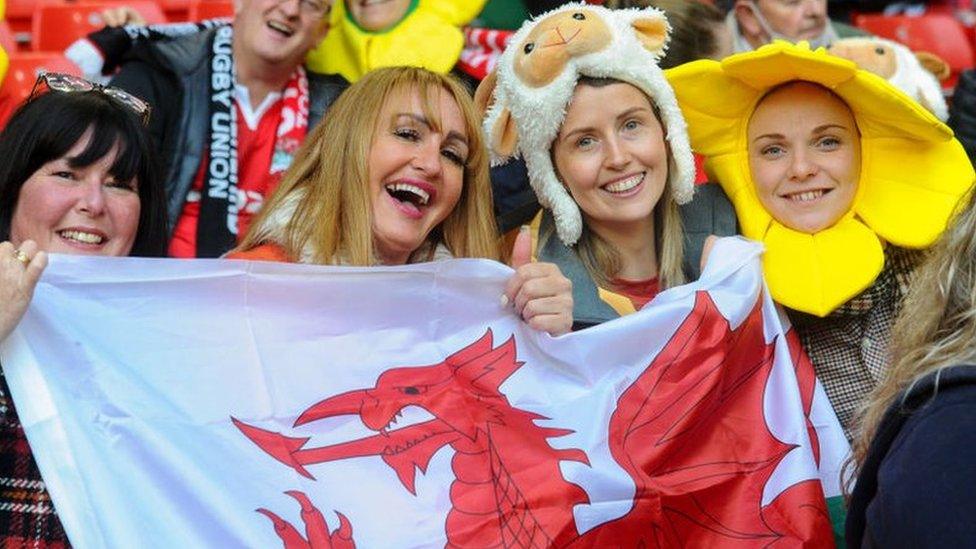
541 295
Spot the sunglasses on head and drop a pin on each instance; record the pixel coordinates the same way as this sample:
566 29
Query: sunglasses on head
68 83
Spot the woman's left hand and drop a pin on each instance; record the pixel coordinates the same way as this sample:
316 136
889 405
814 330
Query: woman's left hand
541 295
20 268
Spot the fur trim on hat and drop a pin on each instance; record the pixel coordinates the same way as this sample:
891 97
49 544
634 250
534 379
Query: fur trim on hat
526 97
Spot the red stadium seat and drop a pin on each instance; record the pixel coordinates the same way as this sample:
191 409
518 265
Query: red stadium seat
55 27
177 11
19 15
210 9
22 73
937 33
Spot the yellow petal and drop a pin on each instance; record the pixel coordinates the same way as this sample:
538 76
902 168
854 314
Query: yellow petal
818 273
909 198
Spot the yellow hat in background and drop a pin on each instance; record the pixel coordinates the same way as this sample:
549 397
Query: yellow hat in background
913 172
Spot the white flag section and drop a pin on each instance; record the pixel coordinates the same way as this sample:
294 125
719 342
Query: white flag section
227 403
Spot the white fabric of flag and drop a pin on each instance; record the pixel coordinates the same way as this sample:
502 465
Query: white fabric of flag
201 403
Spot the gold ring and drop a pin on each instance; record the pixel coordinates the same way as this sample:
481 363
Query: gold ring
22 257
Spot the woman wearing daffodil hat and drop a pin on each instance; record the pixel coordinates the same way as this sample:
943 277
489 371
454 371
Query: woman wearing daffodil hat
842 177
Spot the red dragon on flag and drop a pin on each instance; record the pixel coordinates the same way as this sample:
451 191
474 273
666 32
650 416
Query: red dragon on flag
690 432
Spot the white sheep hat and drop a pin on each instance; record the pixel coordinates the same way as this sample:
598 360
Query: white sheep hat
524 110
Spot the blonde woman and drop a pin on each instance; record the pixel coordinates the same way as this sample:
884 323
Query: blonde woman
398 174
915 440
843 178
607 155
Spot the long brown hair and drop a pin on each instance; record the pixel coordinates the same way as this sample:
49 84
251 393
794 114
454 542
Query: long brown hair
323 202
937 325
601 258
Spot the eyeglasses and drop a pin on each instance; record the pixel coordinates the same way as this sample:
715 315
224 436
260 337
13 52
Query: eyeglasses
68 83
317 8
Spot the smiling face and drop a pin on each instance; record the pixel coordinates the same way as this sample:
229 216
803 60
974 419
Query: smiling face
415 170
611 155
804 156
281 31
377 15
82 210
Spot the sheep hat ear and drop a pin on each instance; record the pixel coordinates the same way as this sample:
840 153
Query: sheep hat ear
652 32
502 134
526 100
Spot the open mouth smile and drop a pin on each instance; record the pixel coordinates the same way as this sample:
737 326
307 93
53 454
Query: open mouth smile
82 237
281 28
805 196
625 186
411 197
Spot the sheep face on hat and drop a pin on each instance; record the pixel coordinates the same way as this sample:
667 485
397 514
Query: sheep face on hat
915 73
526 97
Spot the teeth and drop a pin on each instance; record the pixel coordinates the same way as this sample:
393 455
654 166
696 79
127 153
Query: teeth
413 189
806 196
279 27
625 185
86 238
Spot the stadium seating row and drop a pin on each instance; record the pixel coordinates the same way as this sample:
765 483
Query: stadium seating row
938 32
54 24
50 25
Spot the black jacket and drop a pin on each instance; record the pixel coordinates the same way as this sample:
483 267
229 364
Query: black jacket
962 112
917 486
173 76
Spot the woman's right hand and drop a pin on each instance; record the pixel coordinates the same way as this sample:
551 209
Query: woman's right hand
17 281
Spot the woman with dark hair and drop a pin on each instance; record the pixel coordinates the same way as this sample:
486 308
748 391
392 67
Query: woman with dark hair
78 177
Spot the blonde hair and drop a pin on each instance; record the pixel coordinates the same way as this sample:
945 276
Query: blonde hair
324 194
937 325
602 259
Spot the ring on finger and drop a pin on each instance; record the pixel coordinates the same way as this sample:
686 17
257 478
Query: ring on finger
22 257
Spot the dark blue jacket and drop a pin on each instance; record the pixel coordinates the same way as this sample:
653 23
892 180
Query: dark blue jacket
917 486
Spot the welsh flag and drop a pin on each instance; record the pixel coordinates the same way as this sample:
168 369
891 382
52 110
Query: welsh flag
226 403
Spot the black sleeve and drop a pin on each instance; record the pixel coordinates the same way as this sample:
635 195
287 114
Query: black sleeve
926 482
146 82
708 213
514 200
537 7
962 112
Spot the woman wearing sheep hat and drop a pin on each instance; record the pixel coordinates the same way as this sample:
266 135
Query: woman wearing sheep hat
843 178
579 95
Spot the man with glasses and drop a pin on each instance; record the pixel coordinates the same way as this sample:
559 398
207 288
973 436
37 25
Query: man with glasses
754 23
230 106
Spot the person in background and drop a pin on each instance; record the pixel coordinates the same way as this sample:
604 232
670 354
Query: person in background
231 105
408 184
843 178
698 31
913 448
754 23
79 178
367 35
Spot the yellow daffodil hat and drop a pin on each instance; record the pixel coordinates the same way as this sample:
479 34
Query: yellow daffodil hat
913 171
